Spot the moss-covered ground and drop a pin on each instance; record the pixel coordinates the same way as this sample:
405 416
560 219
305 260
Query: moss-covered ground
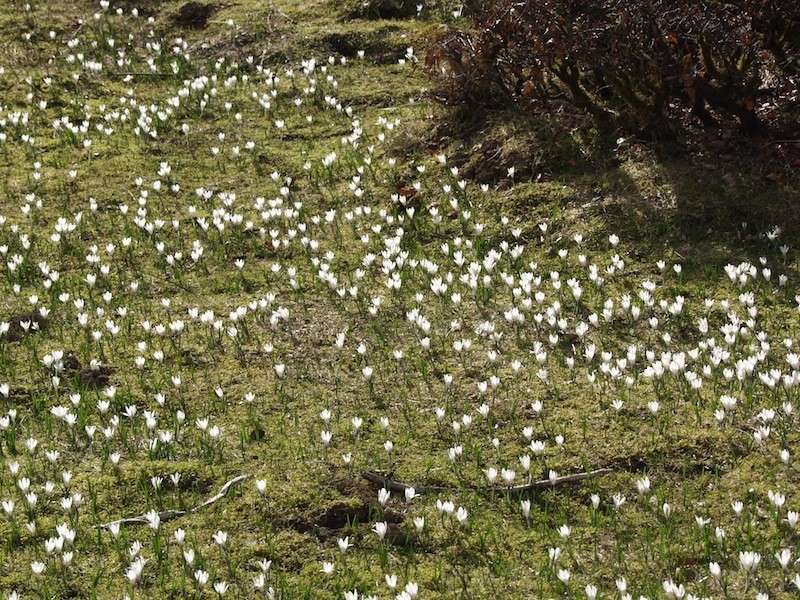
244 242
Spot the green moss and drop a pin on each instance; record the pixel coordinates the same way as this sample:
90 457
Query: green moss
560 178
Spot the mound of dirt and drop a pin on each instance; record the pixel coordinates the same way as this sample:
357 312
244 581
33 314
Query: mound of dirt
378 46
92 377
384 9
194 15
24 324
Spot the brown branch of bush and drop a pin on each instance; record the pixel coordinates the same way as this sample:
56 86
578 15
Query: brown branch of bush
642 65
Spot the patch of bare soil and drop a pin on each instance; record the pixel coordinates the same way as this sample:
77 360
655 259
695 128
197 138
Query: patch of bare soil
194 15
24 324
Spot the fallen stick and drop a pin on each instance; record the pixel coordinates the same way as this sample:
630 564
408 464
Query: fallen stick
543 484
223 491
399 487
166 515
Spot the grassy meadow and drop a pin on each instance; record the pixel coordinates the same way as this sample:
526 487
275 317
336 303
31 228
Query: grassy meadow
314 336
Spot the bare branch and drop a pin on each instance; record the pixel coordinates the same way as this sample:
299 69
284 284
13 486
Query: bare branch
400 487
167 515
544 484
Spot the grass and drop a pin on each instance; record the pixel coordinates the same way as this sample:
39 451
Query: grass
212 362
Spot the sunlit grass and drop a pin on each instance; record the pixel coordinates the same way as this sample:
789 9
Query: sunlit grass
225 262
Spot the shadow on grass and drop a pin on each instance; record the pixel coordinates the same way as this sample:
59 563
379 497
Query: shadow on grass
713 200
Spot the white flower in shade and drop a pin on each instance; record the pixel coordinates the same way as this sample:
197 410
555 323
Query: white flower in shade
380 528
